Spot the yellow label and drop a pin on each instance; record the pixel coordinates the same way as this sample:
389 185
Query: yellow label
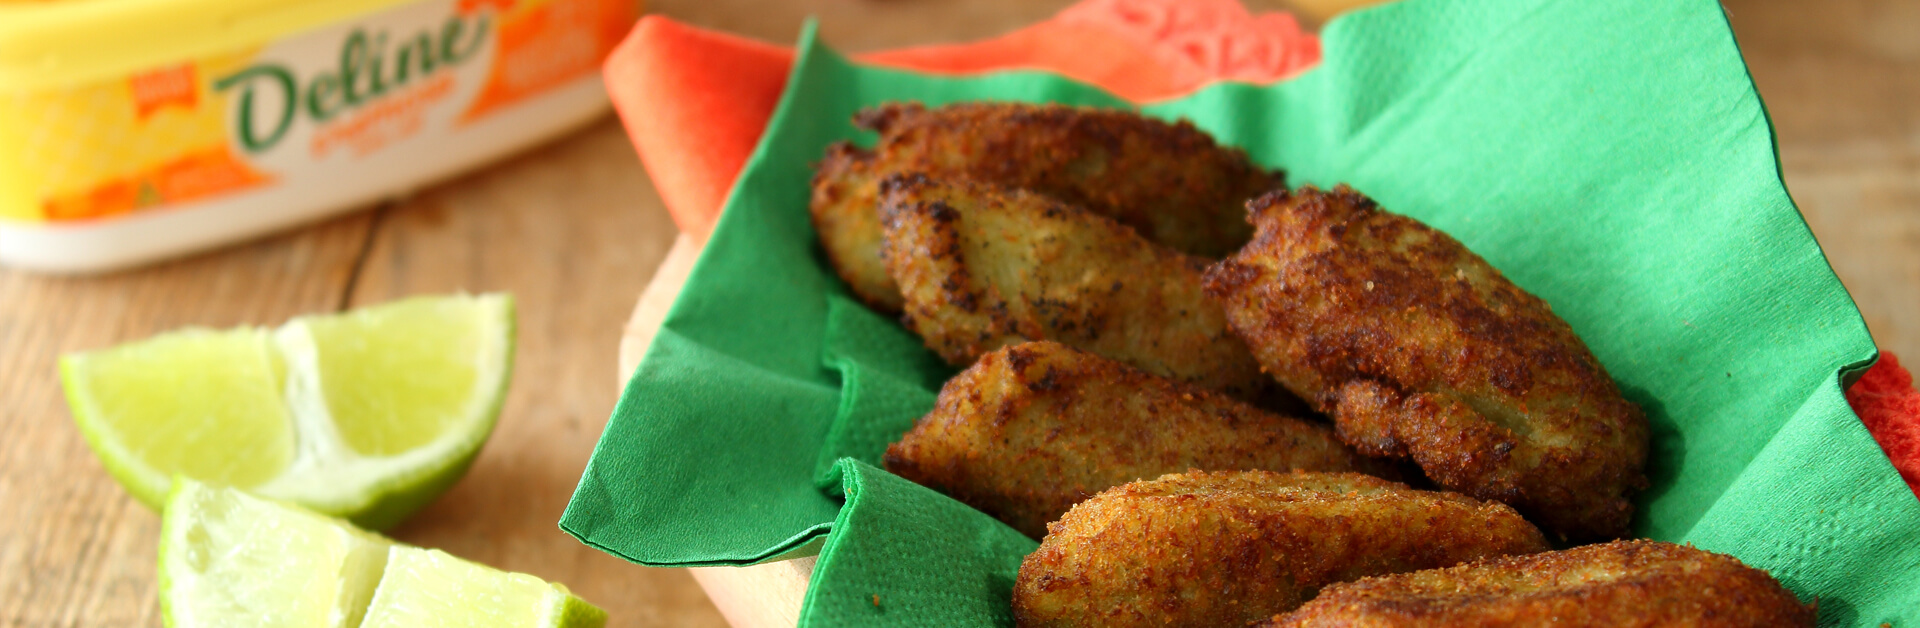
224 124
110 148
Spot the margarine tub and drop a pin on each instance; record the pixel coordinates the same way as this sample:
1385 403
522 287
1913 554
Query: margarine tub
132 130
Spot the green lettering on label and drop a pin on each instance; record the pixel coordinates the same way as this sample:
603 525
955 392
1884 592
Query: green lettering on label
418 50
450 34
277 77
352 54
360 76
377 59
320 97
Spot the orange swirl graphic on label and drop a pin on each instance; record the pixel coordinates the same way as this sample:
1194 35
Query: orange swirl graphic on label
549 45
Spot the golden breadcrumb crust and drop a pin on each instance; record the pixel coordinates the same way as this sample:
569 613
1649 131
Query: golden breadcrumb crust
846 215
982 267
1625 584
1418 348
1169 181
1228 548
1032 429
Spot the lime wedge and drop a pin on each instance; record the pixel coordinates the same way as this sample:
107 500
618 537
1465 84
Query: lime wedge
430 589
231 559
366 415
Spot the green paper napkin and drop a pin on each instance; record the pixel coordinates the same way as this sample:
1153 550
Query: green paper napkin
955 566
1611 158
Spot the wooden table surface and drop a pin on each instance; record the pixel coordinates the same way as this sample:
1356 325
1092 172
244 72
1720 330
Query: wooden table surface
575 230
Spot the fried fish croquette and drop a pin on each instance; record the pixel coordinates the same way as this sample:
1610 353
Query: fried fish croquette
1228 548
846 214
1034 428
1169 181
1622 584
1418 348
983 267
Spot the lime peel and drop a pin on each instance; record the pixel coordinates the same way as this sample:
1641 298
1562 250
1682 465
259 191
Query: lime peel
258 399
430 589
232 559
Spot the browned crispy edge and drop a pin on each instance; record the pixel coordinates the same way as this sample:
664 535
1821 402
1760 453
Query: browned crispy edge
1032 429
1338 345
1622 583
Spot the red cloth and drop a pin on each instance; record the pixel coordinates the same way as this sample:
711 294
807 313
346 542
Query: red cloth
1890 407
695 101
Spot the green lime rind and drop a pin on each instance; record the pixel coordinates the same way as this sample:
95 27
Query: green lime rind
228 558
171 526
427 588
388 508
131 474
573 612
376 497
405 495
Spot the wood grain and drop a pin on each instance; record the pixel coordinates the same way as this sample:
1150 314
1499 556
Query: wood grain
574 230
75 549
1842 83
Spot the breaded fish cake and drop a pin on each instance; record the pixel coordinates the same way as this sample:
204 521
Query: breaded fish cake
1034 428
983 267
1420 349
1169 181
846 214
1228 548
1622 584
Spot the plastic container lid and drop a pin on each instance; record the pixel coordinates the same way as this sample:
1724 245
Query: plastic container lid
57 44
